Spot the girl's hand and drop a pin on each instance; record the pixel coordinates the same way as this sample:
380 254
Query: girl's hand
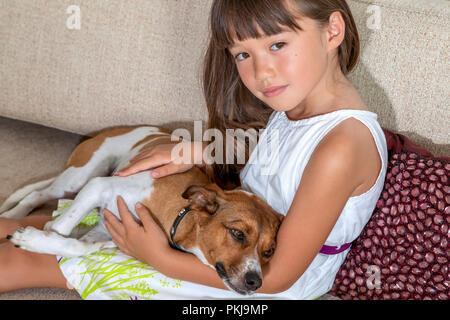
146 242
162 161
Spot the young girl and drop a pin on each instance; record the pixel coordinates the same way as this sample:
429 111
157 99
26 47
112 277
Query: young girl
281 65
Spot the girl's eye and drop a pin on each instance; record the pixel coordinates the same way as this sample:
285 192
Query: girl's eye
277 46
241 56
237 235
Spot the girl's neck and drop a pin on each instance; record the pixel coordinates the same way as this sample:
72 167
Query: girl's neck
332 93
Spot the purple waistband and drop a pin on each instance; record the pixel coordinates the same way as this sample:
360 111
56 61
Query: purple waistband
334 250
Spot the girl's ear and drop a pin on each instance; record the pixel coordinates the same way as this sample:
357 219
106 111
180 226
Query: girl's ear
335 30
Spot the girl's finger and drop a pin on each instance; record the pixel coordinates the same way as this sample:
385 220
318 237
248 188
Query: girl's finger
132 168
141 165
141 155
114 223
126 216
137 159
145 217
165 170
116 238
169 169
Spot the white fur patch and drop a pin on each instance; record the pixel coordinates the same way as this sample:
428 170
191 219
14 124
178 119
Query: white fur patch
47 242
252 263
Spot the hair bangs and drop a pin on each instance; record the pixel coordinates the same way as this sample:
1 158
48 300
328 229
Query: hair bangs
233 20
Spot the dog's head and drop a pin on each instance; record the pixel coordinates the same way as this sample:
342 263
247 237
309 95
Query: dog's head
236 234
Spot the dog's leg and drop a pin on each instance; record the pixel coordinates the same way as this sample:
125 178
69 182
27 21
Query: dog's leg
32 239
33 199
104 156
92 195
102 192
23 192
68 182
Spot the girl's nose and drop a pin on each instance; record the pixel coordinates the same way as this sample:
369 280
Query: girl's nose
263 69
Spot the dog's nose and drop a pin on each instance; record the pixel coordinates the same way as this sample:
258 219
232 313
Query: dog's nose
252 280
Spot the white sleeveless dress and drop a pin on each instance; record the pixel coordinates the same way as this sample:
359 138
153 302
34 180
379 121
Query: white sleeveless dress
273 172
295 141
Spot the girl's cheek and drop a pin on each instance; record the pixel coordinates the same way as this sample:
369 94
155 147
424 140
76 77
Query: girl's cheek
302 69
246 77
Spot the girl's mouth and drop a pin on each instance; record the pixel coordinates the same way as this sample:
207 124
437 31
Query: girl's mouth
273 91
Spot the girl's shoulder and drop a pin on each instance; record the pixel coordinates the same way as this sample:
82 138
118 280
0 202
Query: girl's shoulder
352 141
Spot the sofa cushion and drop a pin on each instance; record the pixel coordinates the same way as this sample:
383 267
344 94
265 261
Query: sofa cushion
135 62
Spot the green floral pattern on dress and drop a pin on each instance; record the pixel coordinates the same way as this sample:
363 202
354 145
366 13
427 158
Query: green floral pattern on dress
110 273
89 221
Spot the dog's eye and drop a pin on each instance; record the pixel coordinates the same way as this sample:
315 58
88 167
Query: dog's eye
237 235
268 253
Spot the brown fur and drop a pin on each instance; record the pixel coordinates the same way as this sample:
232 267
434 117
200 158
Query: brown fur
165 202
153 140
84 151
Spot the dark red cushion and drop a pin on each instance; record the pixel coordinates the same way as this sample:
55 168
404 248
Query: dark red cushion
403 251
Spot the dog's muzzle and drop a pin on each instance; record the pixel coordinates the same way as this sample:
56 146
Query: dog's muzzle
252 280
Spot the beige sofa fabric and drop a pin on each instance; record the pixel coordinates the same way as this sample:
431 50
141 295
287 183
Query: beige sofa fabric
131 62
135 62
404 71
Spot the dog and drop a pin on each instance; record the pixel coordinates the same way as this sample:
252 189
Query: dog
233 231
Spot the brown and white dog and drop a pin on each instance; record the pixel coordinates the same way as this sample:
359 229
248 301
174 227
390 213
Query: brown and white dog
231 231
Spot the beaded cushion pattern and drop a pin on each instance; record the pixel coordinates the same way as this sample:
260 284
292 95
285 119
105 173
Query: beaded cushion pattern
402 253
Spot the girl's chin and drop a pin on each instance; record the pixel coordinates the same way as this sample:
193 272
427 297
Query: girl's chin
281 107
281 104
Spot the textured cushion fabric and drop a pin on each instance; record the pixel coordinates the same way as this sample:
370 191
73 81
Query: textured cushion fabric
403 251
134 62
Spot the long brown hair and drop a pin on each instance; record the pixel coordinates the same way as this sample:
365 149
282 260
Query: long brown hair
230 104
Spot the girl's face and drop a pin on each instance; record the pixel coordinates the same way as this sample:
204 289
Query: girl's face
284 70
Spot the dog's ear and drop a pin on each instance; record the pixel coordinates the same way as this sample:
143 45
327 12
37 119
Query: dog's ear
202 198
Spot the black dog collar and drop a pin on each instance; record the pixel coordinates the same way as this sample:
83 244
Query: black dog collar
173 230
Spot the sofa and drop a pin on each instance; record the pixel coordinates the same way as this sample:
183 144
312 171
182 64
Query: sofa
69 69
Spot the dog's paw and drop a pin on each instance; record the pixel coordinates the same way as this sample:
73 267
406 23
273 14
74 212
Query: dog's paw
27 238
57 227
48 225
